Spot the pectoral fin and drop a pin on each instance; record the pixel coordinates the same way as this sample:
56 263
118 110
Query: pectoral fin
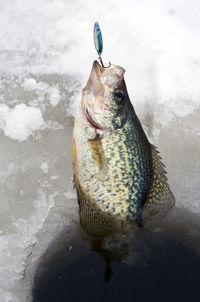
98 153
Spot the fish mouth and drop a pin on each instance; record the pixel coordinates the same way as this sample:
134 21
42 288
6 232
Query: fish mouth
97 67
93 93
94 83
100 77
95 101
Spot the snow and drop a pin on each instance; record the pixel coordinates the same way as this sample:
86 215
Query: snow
44 167
20 122
30 84
46 54
54 95
42 88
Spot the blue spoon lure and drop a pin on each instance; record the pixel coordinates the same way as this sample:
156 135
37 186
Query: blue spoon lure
98 42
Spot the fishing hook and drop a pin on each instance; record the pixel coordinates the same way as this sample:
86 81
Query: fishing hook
100 59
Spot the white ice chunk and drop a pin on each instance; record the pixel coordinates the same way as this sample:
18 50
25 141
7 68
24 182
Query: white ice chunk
54 95
44 167
21 121
41 88
30 84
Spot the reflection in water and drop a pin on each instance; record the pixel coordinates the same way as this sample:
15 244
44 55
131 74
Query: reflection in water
160 263
112 248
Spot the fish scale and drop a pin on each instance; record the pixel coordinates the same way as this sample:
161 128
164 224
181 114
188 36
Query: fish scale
119 175
119 163
128 169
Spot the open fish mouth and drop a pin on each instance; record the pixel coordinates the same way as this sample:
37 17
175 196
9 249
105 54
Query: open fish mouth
100 77
98 68
97 93
94 83
93 96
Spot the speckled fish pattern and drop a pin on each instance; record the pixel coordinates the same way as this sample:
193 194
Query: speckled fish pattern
118 175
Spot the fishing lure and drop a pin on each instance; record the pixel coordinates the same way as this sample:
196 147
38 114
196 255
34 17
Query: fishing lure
98 42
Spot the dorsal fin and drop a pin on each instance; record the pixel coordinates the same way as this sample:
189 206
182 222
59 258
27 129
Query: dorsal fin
160 199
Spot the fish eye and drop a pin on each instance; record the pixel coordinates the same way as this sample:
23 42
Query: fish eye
119 94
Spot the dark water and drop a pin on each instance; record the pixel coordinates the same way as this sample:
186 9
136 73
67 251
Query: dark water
161 264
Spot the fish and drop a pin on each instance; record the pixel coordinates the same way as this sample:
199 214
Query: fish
118 174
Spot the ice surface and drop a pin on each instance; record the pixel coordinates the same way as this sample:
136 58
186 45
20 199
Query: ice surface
46 54
42 88
36 190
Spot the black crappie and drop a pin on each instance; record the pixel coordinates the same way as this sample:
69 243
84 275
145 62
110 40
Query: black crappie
119 176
